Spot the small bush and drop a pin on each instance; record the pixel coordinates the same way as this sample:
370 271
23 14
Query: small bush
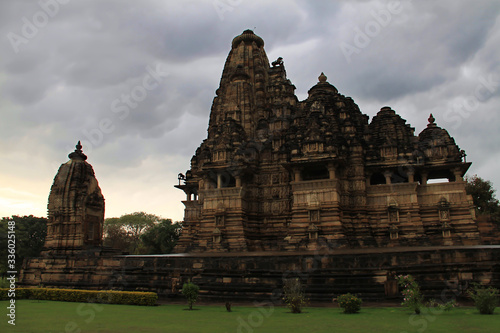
485 299
293 295
350 303
413 297
448 306
190 291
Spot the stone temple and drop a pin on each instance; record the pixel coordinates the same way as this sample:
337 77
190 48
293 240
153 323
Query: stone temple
286 188
75 209
276 173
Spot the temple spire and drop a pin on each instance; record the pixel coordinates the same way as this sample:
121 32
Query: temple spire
75 208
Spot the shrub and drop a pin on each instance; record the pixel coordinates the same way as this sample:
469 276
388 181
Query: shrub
448 306
293 295
190 291
350 303
412 296
485 299
87 296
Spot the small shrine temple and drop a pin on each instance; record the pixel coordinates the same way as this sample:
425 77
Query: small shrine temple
75 208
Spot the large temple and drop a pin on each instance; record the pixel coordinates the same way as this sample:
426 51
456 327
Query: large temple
276 173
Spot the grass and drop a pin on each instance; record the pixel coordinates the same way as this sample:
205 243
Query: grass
48 316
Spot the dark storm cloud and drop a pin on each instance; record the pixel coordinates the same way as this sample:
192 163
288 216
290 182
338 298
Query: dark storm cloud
420 48
73 80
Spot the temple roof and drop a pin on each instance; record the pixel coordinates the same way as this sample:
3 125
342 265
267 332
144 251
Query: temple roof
433 137
247 36
388 128
322 86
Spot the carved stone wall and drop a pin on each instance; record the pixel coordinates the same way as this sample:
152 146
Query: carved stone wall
325 273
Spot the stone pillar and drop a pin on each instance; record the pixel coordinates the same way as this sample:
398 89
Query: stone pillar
219 180
238 181
411 177
297 178
387 176
331 171
424 178
458 175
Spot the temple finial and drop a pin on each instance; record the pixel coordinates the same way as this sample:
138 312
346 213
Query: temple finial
322 77
78 153
431 120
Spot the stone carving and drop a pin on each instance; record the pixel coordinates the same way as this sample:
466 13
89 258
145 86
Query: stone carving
278 62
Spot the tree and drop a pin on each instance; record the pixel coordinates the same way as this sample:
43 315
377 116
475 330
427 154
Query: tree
483 196
30 233
135 223
190 291
162 237
125 232
293 295
116 237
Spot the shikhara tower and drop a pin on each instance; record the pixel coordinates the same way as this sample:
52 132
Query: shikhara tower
276 173
75 208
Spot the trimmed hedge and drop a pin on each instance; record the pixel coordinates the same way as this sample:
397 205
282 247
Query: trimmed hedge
84 296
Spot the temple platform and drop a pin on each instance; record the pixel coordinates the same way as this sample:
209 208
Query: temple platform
442 271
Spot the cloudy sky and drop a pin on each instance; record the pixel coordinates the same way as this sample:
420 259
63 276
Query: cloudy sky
134 80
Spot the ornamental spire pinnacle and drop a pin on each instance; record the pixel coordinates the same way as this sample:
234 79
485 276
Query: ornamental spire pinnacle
78 154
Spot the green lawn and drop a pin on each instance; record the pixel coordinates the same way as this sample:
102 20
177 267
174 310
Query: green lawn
47 316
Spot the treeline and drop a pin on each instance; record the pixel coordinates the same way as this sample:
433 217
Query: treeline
136 233
29 231
483 195
141 233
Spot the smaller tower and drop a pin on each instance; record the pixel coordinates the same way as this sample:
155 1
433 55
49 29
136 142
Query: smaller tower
75 208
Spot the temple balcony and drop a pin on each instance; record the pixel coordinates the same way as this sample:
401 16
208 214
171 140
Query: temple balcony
308 185
223 192
448 187
314 193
